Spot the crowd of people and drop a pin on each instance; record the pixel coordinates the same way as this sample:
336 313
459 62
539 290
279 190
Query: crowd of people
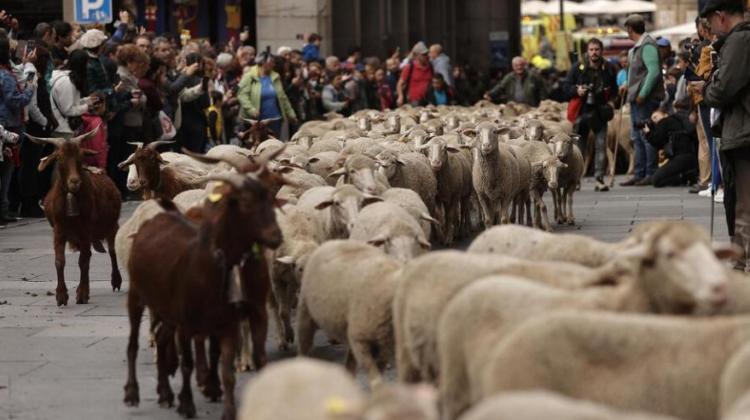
138 86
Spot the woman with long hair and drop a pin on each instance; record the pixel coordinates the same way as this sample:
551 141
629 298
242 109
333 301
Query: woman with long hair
66 88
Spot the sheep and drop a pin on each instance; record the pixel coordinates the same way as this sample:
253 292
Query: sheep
541 405
411 202
327 145
347 291
431 280
358 145
735 382
360 171
301 181
302 235
189 199
322 164
534 130
454 186
521 201
300 388
569 179
409 170
336 208
495 305
495 175
634 349
124 238
388 226
268 146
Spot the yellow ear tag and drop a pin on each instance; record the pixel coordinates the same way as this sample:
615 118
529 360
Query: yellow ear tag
215 197
335 406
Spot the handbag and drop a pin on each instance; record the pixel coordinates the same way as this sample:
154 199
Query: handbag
166 129
574 108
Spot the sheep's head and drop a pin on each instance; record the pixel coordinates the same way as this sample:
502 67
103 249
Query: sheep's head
364 123
681 270
297 262
487 138
388 163
452 122
402 247
437 152
550 169
69 156
534 130
345 204
562 144
359 170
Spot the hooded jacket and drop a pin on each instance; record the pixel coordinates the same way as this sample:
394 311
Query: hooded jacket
12 99
65 100
729 87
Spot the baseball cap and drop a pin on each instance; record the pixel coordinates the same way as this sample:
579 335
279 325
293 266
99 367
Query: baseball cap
719 5
663 42
419 48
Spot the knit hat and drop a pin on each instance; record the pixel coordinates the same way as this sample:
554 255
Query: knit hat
92 38
419 48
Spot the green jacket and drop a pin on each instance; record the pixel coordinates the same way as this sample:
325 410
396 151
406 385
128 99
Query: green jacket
249 95
533 87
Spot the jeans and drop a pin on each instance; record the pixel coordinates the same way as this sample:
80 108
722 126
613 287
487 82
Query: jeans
679 170
7 167
645 154
704 113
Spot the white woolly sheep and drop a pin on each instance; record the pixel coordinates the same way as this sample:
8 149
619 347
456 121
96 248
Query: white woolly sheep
409 170
335 208
411 202
388 226
361 171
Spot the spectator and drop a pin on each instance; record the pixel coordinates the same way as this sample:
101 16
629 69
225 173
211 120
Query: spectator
63 40
245 56
44 34
393 72
593 81
439 92
521 86
674 134
144 43
645 90
262 95
727 91
666 55
622 74
311 50
151 84
97 79
416 77
193 101
694 73
441 64
67 87
334 96
383 91
14 96
133 65
469 86
333 66
314 91
354 59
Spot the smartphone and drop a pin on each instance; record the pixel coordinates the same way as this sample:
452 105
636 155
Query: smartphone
30 76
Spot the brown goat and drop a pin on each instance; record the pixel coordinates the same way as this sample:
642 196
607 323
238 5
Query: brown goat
156 181
83 209
257 133
181 270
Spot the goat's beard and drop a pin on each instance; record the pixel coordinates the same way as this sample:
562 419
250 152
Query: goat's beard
71 205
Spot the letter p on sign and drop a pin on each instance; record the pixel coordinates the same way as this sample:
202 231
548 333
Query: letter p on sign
89 5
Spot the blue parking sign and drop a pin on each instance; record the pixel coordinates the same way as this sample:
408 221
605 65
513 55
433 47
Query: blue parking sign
93 11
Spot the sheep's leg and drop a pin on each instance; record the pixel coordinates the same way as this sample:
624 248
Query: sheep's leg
504 210
258 323
454 388
488 213
84 260
273 303
212 390
466 227
116 280
135 312
569 196
544 215
187 406
228 349
451 220
244 357
305 329
513 209
361 350
201 364
165 346
61 293
349 362
528 212
555 208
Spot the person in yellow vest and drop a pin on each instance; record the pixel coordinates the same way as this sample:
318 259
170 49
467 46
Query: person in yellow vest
215 118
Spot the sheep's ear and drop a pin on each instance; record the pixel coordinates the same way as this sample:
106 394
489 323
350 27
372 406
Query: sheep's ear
313 160
338 172
400 162
727 251
453 149
288 260
46 161
427 218
324 204
424 243
369 199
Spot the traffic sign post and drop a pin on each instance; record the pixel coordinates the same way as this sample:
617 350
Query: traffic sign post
93 11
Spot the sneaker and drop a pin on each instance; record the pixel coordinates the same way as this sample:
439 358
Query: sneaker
697 188
643 182
719 196
630 182
705 193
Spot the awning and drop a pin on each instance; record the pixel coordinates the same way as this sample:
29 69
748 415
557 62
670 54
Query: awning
593 7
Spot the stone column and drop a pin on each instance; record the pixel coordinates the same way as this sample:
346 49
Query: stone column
281 21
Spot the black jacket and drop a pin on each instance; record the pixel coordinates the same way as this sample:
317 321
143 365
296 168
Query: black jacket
675 133
603 82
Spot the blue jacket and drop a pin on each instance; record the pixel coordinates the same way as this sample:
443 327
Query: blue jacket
310 52
12 100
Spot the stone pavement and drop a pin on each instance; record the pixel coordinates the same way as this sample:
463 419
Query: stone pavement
69 362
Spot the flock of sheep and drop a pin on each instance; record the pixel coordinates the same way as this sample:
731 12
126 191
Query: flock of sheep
523 325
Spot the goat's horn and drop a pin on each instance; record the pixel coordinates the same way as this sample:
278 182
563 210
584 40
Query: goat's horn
154 144
239 162
85 136
57 142
268 156
250 121
269 120
137 144
235 180
126 162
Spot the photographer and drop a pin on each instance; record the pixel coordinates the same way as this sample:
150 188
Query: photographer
193 100
728 90
674 135
592 83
